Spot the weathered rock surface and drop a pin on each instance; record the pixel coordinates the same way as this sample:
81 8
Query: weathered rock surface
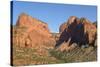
31 32
80 31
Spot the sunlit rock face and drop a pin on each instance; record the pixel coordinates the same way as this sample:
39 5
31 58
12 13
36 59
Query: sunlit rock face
31 32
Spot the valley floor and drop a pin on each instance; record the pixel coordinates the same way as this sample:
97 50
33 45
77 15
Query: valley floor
31 56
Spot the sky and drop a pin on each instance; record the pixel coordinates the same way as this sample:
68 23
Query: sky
52 13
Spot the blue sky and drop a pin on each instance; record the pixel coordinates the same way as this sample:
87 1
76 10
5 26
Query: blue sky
53 14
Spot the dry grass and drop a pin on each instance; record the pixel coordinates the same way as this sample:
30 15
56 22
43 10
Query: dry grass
76 55
30 56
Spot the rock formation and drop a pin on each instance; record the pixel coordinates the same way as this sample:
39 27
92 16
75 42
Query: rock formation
95 23
75 30
31 32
